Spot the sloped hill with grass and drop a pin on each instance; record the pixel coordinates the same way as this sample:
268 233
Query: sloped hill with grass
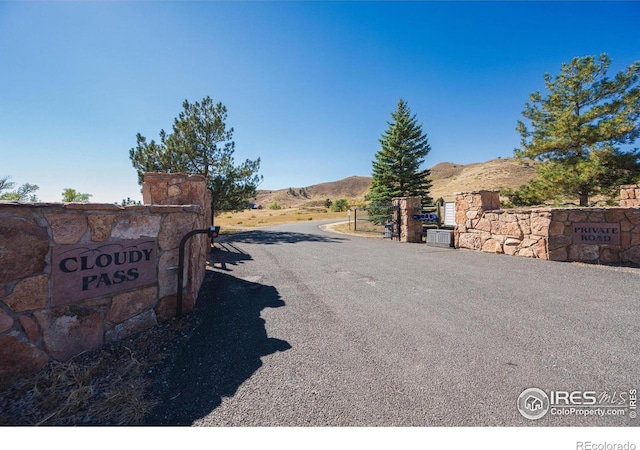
351 188
447 179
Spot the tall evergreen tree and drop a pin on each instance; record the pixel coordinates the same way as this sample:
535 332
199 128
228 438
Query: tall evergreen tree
396 168
577 129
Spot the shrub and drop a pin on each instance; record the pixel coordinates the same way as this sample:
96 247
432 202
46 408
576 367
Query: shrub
275 205
340 205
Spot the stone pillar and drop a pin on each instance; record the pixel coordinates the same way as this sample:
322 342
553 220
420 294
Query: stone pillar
174 189
470 206
630 195
410 229
184 189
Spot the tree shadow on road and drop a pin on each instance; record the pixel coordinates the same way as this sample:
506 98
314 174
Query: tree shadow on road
277 237
225 253
224 350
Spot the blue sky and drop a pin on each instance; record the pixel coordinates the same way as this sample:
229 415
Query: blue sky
309 86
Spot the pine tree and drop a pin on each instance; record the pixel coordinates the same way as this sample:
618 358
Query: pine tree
201 143
577 129
396 168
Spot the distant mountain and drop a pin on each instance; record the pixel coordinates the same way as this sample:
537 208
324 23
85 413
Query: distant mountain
447 179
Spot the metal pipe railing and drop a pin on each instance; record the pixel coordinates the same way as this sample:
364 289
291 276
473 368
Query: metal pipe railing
211 232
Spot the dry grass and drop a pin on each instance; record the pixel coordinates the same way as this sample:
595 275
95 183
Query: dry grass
268 217
351 188
363 228
116 385
449 178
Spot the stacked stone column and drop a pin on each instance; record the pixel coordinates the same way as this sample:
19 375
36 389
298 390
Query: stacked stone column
410 229
470 206
184 189
630 195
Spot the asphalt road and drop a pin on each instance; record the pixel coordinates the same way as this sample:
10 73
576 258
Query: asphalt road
305 327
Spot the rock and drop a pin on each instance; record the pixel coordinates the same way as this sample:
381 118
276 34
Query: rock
508 217
559 241
130 304
511 246
67 228
70 330
461 216
614 215
512 242
631 255
30 328
100 225
174 191
510 229
540 226
131 326
23 248
469 240
20 357
540 249
556 228
166 308
29 294
136 227
609 256
577 216
483 225
6 321
492 246
632 214
526 252
173 229
626 226
596 216
585 253
559 215
525 225
559 254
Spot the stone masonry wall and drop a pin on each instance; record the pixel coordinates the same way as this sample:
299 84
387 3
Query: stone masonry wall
410 230
37 327
630 195
184 189
594 235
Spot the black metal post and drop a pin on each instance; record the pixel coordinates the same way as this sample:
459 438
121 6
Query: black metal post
211 231
355 219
